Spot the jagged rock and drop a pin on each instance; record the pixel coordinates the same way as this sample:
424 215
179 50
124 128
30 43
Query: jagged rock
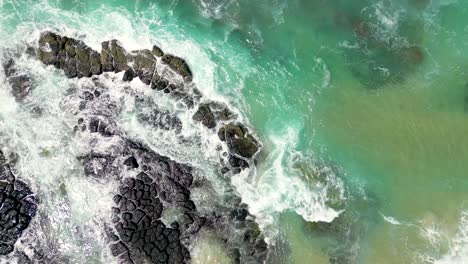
71 55
107 61
17 207
178 65
113 56
139 231
205 116
20 82
245 147
238 141
144 64
157 51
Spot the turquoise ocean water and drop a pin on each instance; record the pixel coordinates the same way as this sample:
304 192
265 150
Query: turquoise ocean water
362 107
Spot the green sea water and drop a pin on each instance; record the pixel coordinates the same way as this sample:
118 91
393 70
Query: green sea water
362 107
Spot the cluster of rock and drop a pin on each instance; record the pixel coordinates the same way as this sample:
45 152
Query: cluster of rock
153 186
78 60
17 207
154 218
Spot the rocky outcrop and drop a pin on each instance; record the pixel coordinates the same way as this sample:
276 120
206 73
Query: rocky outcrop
71 55
155 219
17 207
62 52
113 56
152 188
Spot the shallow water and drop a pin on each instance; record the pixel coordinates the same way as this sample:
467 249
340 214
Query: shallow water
361 106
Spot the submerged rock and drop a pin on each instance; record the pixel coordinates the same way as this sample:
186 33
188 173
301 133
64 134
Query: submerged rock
20 83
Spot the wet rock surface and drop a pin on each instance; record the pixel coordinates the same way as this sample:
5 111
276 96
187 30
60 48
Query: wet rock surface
73 56
238 140
20 83
63 53
155 218
178 65
17 207
205 116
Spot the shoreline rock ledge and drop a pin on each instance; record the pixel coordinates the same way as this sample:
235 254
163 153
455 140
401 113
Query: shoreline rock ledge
136 231
76 59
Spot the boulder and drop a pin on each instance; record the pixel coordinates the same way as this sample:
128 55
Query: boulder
129 74
245 147
238 140
144 65
178 65
113 56
71 55
205 116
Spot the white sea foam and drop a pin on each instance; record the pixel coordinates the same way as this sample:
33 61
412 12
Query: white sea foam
458 253
276 188
390 219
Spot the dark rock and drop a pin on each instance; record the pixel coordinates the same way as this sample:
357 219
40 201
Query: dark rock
245 147
157 51
113 56
231 131
144 64
131 162
178 65
205 116
159 83
119 56
237 162
71 55
107 61
128 76
17 208
238 141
